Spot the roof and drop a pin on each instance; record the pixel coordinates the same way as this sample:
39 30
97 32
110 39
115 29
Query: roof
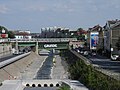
22 33
95 28
113 21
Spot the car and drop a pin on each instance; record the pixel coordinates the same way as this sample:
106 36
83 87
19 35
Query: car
81 52
114 57
85 53
78 50
93 53
118 59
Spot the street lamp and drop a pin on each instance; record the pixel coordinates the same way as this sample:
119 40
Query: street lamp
111 49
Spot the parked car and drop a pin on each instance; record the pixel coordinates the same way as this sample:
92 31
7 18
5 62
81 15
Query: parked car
118 59
85 53
93 53
114 57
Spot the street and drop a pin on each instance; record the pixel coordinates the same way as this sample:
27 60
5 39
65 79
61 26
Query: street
7 57
106 63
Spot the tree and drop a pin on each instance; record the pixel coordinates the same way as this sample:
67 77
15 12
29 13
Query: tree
81 34
118 44
11 34
1 28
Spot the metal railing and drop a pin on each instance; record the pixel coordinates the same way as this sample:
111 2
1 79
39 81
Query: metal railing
9 61
44 40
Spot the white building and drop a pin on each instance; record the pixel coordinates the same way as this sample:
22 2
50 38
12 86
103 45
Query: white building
23 35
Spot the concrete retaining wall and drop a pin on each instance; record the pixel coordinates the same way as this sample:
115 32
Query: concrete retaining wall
14 70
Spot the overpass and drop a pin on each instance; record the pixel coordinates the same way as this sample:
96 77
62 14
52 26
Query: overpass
43 43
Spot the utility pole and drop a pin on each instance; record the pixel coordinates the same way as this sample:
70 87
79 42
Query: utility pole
111 49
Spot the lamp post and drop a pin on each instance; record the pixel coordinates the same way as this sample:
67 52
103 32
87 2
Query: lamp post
111 49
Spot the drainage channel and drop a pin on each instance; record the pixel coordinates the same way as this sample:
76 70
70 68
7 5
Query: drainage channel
45 71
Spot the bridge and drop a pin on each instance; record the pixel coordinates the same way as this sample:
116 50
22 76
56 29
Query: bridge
42 40
41 43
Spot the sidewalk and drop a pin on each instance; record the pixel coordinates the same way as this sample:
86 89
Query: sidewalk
58 71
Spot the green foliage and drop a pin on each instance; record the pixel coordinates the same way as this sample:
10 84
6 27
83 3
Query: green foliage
64 86
89 76
11 34
1 28
79 29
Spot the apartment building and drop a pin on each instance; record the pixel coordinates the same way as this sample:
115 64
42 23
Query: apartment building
111 35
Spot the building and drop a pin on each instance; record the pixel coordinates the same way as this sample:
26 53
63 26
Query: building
94 34
111 35
55 32
22 34
73 33
35 35
47 32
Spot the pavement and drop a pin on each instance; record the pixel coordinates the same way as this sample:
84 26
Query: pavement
106 63
58 70
6 57
31 71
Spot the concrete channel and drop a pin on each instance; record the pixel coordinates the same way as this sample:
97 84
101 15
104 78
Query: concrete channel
35 72
16 69
45 71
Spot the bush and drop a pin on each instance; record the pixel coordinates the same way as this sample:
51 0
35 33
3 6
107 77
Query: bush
87 75
64 86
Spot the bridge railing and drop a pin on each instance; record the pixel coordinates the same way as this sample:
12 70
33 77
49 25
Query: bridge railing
44 40
3 40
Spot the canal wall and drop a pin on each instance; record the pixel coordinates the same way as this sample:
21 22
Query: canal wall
14 70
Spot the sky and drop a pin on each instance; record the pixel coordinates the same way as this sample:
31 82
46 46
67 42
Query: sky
36 14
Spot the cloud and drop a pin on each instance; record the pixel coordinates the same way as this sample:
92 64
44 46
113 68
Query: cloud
60 7
3 9
36 8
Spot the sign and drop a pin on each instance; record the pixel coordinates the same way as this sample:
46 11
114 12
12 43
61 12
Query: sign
93 40
50 45
3 31
3 35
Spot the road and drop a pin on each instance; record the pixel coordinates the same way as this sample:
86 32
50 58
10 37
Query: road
7 57
59 70
106 63
103 64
